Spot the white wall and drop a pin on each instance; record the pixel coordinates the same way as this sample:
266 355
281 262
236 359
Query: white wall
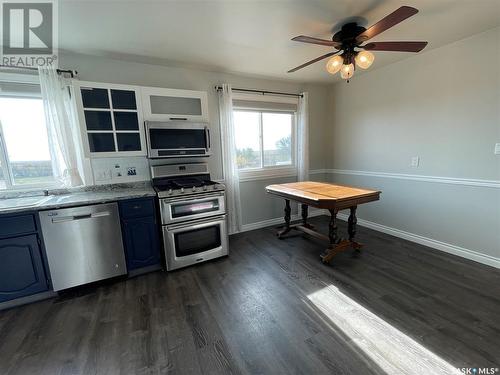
442 105
98 69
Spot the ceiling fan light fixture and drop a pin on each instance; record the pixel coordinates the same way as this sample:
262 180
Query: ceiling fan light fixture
347 71
334 64
364 59
350 46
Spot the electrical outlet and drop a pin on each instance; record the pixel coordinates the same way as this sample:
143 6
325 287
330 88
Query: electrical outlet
497 148
415 161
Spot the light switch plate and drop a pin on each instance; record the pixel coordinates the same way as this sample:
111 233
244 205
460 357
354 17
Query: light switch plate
497 148
415 161
103 175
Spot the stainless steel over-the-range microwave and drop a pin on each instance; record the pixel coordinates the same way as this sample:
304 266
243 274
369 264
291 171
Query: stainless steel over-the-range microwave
173 139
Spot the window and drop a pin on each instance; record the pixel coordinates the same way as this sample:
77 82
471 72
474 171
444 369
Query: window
265 140
24 147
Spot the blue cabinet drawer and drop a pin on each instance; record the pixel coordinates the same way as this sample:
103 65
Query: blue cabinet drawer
15 225
137 208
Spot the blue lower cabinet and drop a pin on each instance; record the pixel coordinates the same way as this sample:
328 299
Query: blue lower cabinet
21 267
140 234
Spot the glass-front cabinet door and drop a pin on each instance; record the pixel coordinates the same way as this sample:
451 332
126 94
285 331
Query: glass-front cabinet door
110 119
174 105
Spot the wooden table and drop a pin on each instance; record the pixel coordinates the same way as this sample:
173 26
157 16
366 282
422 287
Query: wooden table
324 196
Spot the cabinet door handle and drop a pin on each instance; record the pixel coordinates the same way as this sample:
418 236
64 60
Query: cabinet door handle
70 218
178 118
79 217
100 214
207 136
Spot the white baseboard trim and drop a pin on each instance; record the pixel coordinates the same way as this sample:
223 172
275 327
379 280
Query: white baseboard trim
435 244
276 221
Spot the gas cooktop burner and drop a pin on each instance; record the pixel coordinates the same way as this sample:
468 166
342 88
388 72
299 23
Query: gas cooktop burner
184 186
184 183
168 182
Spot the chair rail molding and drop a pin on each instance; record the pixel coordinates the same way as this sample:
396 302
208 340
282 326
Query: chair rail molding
495 184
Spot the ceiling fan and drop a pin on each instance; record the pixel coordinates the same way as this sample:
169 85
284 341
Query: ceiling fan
351 37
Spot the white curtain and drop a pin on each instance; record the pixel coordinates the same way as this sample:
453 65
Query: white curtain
303 138
62 127
229 159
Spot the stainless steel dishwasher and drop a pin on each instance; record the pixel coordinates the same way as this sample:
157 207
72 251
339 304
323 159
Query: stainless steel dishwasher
83 244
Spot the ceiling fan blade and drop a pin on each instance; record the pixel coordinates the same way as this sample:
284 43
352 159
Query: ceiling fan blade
395 46
310 39
312 61
387 22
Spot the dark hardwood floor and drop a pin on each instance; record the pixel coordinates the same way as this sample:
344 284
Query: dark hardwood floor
271 307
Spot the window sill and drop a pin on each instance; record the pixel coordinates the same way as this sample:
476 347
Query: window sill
267 174
28 189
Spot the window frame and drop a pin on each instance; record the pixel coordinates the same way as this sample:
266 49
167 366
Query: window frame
265 172
6 167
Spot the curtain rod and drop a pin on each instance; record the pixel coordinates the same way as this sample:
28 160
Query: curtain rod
59 71
263 92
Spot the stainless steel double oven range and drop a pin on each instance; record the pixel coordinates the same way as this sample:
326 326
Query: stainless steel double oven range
193 210
193 214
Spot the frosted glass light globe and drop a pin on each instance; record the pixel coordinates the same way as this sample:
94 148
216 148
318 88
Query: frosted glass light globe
347 71
364 59
334 64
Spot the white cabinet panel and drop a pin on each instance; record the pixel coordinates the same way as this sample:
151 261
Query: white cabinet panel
172 105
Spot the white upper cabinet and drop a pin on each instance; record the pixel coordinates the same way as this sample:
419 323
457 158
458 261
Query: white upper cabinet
173 105
111 119
112 116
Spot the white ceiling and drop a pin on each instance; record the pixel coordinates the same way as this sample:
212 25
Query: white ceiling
253 37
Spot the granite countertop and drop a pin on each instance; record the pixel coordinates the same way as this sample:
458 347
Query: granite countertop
36 201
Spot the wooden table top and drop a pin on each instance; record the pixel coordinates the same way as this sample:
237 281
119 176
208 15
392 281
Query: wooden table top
324 195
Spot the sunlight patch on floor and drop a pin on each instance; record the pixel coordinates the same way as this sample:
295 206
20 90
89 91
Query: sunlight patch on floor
390 349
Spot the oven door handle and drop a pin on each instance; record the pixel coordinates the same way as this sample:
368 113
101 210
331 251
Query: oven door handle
193 199
196 224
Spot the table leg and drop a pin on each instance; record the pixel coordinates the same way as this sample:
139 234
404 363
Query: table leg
305 209
333 237
332 228
288 218
351 228
351 223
